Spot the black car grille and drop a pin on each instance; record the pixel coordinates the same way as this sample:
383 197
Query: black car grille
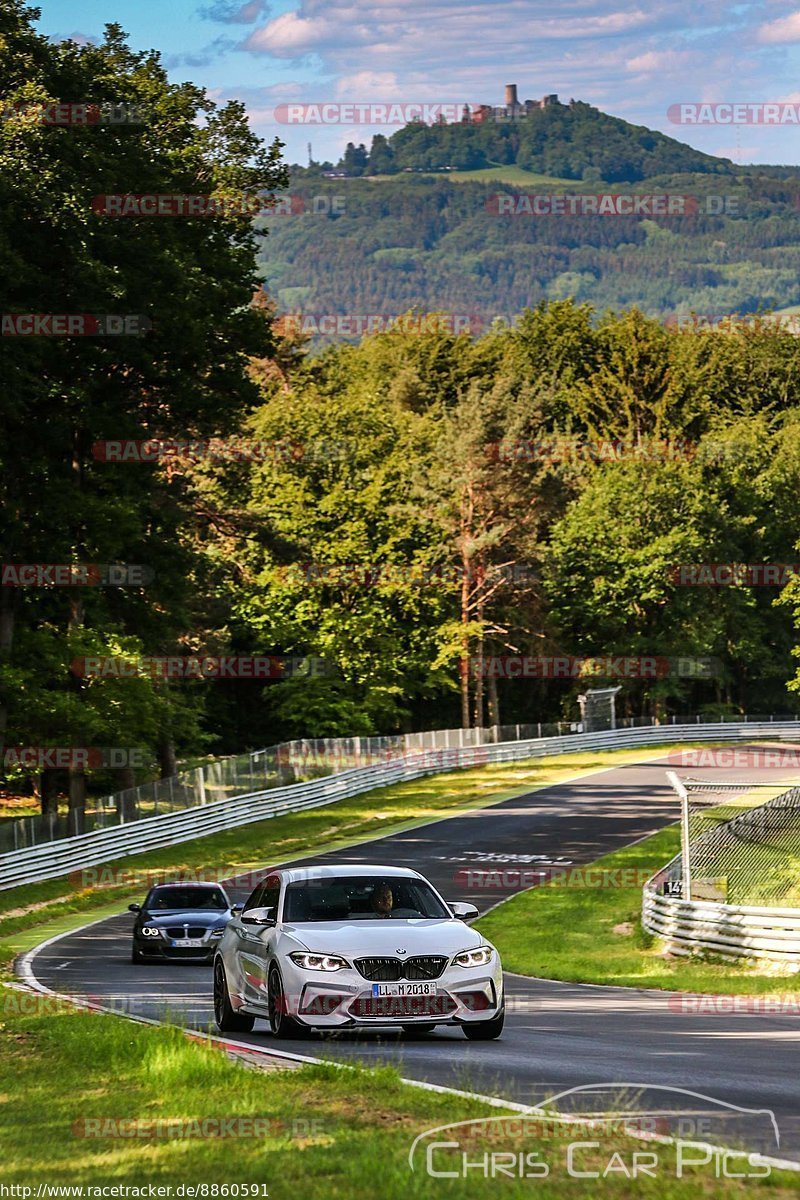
179 931
388 970
404 1006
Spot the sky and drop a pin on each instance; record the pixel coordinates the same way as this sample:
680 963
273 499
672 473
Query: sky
633 60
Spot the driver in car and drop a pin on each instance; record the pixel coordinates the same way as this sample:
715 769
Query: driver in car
382 900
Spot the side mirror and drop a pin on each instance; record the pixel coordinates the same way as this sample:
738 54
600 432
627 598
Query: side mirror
464 912
259 916
134 908
236 908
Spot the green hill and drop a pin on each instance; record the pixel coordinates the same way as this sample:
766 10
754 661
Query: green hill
413 235
571 141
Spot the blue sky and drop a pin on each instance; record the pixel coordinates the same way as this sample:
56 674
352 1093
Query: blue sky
631 59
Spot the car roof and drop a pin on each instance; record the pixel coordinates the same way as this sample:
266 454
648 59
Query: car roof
343 870
188 883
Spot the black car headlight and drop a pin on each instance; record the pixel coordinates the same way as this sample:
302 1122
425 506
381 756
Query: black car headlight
474 958
150 931
218 932
318 962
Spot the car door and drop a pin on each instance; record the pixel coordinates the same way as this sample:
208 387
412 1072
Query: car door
247 957
255 941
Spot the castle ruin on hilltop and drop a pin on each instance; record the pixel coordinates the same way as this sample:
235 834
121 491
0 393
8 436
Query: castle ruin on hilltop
512 110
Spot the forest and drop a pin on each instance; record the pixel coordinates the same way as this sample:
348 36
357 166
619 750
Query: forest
393 525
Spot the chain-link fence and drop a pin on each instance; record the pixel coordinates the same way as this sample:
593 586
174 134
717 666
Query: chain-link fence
286 763
740 843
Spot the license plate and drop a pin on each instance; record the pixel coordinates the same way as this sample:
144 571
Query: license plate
187 942
380 990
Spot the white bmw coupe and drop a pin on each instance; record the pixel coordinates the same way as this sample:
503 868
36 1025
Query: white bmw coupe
353 946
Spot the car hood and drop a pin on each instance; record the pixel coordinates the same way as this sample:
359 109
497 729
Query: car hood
385 937
186 917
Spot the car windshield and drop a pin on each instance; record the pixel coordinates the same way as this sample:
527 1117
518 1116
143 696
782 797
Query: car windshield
361 898
171 899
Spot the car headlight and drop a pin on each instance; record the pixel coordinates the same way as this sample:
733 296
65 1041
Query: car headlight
318 962
150 931
218 932
474 958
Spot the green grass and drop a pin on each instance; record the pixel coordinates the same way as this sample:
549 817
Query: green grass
320 1131
500 172
49 907
568 932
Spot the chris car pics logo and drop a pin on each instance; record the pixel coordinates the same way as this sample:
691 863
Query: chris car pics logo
605 1132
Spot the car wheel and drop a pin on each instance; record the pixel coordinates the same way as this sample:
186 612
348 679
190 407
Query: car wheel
136 955
485 1031
227 1019
283 1026
412 1029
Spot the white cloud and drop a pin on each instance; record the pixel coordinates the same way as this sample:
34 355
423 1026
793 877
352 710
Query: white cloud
658 61
784 30
381 85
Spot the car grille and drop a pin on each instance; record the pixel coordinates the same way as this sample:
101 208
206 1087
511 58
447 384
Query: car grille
404 1006
388 970
194 931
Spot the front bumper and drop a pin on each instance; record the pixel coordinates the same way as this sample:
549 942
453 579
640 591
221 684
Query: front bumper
344 998
161 948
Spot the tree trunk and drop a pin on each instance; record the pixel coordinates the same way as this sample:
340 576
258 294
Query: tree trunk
166 756
494 700
77 776
48 793
479 667
6 643
77 801
464 665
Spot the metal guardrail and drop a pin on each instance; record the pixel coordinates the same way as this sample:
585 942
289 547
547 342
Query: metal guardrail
50 860
730 930
286 763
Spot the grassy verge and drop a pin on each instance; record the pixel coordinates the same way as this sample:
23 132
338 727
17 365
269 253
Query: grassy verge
72 1084
59 904
578 931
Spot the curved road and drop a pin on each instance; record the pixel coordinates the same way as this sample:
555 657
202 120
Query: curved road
557 1035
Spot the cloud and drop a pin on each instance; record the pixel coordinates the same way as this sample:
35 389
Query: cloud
290 35
234 12
780 32
658 61
80 39
369 83
451 33
203 57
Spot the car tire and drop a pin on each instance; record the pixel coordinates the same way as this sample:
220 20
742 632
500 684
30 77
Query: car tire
485 1031
226 1018
136 955
282 1025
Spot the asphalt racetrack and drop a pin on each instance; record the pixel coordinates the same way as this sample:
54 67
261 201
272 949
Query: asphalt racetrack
557 1035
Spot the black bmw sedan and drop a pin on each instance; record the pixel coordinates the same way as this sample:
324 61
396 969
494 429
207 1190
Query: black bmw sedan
180 921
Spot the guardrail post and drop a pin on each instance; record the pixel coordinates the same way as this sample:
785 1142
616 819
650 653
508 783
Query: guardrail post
686 866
